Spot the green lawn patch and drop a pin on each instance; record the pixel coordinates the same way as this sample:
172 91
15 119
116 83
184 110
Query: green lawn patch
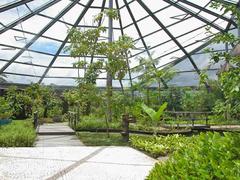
19 133
101 139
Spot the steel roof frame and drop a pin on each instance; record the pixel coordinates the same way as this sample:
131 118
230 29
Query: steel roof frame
66 39
13 5
27 16
86 7
64 11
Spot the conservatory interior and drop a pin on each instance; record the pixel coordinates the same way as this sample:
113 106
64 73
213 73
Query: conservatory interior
119 89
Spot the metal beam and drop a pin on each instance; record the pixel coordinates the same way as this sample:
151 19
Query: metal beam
168 40
186 10
140 35
208 11
52 77
27 16
13 5
171 36
66 39
64 11
99 24
146 16
122 33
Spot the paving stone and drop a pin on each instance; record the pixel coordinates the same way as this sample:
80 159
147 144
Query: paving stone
68 163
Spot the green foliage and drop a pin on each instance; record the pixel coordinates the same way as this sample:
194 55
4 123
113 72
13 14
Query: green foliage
151 74
159 145
19 133
83 43
24 102
154 115
229 75
84 98
198 100
19 101
209 156
5 109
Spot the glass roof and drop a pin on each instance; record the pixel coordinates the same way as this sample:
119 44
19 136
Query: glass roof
33 35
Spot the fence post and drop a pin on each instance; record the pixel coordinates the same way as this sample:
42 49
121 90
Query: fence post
35 119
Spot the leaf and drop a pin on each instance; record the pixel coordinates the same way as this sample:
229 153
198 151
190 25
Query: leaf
155 116
160 111
148 110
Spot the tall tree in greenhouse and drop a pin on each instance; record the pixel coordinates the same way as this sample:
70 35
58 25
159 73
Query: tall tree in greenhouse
153 75
83 43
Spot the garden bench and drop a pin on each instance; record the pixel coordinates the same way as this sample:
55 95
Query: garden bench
189 116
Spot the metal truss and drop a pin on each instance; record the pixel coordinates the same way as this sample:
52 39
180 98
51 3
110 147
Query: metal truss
38 35
13 5
179 4
66 39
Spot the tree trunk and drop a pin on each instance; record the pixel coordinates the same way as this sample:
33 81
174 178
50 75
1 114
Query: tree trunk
109 97
159 92
148 99
120 81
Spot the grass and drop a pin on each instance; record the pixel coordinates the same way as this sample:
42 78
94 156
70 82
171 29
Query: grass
93 123
19 133
101 139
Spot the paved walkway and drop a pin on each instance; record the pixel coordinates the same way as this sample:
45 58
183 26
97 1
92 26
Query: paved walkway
74 163
57 134
63 156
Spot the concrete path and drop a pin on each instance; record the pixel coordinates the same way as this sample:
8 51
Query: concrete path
56 134
55 129
70 163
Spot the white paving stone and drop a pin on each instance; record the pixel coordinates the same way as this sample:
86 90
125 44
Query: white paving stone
100 163
101 171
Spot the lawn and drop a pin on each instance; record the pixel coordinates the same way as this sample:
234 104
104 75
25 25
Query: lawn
101 139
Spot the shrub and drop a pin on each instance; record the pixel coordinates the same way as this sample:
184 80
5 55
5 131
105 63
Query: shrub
159 146
5 109
19 133
209 156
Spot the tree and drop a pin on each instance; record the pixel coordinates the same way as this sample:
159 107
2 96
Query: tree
229 75
153 75
83 43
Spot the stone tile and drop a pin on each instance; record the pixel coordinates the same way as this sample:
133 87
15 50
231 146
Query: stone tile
53 153
21 168
100 163
111 171
122 155
57 140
